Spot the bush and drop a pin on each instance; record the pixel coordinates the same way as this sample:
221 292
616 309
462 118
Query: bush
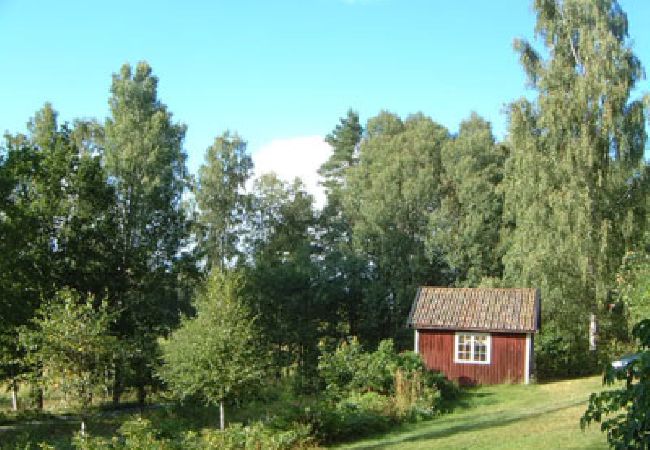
560 356
255 436
349 369
368 392
624 413
140 434
350 418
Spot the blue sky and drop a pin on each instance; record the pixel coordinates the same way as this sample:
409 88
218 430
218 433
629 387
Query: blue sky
275 71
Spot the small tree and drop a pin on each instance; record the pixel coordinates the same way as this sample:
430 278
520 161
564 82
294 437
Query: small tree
70 341
624 413
214 356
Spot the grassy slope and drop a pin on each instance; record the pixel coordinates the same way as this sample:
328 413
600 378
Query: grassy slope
544 416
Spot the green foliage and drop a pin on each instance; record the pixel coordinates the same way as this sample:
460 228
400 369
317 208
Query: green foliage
633 283
222 204
344 140
340 282
388 196
466 228
280 286
216 355
71 343
574 189
360 415
624 412
258 435
56 223
350 369
368 392
141 434
146 166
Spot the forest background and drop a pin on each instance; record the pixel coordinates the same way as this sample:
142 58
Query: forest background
102 224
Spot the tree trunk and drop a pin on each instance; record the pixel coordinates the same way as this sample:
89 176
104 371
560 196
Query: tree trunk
222 416
117 385
142 394
14 395
39 398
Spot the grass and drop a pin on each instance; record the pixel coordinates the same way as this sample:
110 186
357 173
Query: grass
538 416
504 417
58 424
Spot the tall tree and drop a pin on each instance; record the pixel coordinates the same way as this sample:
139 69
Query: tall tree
21 273
58 226
572 182
344 140
146 165
389 195
221 198
466 228
340 276
282 273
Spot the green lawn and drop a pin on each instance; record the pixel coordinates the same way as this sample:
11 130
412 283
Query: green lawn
543 416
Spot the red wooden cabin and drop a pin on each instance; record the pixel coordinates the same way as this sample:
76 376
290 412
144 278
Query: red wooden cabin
477 335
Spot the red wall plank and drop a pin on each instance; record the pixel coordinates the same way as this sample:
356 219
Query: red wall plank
508 356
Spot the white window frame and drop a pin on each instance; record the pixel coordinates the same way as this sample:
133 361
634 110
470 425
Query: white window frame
488 345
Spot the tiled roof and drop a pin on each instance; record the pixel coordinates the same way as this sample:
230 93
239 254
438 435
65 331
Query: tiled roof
481 309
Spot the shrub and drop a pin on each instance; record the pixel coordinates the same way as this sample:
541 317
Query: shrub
140 434
255 436
624 413
414 398
349 369
352 417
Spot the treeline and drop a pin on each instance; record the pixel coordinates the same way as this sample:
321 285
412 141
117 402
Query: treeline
104 215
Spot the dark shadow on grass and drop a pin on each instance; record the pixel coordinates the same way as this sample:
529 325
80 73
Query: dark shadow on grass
552 380
471 425
466 399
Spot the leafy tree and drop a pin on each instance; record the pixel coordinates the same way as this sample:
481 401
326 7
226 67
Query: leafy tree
633 282
19 245
388 196
221 199
216 355
70 339
573 197
281 288
630 302
624 412
466 228
146 167
58 223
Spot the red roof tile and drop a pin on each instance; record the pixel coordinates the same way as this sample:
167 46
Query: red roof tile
484 309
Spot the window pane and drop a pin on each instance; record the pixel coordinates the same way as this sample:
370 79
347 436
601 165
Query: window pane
472 347
464 348
480 348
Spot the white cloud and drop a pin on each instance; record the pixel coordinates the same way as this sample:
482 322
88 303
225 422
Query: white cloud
295 157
